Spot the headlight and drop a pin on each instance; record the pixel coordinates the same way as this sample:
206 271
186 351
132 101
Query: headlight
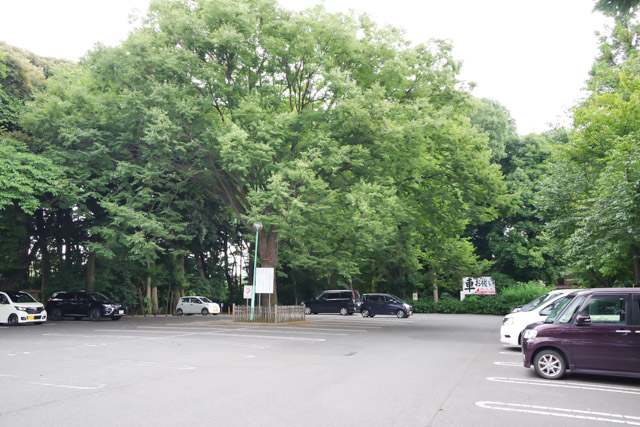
407 306
22 308
508 321
530 334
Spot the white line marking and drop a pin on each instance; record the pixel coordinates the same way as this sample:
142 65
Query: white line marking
135 363
511 353
51 382
519 365
561 412
563 384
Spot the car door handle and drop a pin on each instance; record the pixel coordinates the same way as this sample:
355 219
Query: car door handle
623 331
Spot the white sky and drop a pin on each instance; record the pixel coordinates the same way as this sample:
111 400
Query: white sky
532 56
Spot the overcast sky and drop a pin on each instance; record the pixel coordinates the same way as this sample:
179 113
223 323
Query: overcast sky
532 56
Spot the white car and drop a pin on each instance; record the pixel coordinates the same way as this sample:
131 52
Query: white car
20 307
196 305
535 311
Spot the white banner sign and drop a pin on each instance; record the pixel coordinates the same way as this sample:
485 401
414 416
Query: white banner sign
483 285
264 280
247 292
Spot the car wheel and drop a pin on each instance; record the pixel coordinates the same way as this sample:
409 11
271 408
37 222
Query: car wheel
344 311
179 312
56 314
549 364
307 310
13 320
95 314
365 313
205 312
400 314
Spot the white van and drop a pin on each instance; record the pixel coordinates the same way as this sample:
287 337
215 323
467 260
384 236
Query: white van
535 311
20 307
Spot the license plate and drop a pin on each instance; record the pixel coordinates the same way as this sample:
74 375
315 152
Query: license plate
31 317
120 311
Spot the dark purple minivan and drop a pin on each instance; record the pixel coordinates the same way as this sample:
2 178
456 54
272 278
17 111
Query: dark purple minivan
592 331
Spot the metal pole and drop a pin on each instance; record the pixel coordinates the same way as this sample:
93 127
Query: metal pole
253 288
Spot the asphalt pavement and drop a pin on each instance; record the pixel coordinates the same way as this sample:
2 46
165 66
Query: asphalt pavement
426 370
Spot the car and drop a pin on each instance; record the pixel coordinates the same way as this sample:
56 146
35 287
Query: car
345 302
20 307
592 331
373 304
537 310
196 305
81 304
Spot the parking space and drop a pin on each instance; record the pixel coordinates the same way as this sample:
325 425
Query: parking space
438 370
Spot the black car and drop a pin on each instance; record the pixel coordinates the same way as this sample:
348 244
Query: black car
373 304
79 304
334 301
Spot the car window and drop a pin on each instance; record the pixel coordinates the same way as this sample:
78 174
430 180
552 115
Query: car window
207 300
393 298
568 313
346 295
532 305
333 295
20 297
321 297
559 308
606 309
64 295
196 300
548 309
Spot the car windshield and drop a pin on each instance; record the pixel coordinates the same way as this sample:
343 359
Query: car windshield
535 303
207 300
556 311
393 298
20 297
97 297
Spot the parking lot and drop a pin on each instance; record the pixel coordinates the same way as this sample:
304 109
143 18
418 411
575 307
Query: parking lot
427 370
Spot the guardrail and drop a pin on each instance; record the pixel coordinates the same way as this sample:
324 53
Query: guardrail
275 314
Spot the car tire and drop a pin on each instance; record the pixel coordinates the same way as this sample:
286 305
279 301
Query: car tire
550 364
344 311
13 320
56 314
400 314
95 314
307 310
205 312
365 313
179 312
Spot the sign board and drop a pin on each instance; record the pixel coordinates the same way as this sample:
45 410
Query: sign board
247 292
415 296
483 285
264 280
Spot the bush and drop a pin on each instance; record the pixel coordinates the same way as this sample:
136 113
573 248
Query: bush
501 304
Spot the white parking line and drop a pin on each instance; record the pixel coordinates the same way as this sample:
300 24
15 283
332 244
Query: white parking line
135 363
511 353
561 412
566 384
519 365
51 382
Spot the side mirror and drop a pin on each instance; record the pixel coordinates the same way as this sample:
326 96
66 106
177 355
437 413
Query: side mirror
582 320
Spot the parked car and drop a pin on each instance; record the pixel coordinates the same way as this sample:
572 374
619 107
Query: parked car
593 331
80 304
20 307
537 310
373 304
197 305
334 301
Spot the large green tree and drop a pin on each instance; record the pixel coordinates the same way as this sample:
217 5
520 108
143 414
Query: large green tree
348 144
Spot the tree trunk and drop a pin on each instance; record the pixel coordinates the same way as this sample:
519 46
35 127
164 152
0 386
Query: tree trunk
46 272
268 252
90 281
200 265
636 265
154 300
435 287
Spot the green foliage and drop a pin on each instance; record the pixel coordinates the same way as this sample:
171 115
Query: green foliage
215 290
501 304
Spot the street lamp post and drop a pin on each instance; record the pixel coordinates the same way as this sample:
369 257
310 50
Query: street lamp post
257 226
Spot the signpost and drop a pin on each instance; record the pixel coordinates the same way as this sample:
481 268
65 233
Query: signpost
483 285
